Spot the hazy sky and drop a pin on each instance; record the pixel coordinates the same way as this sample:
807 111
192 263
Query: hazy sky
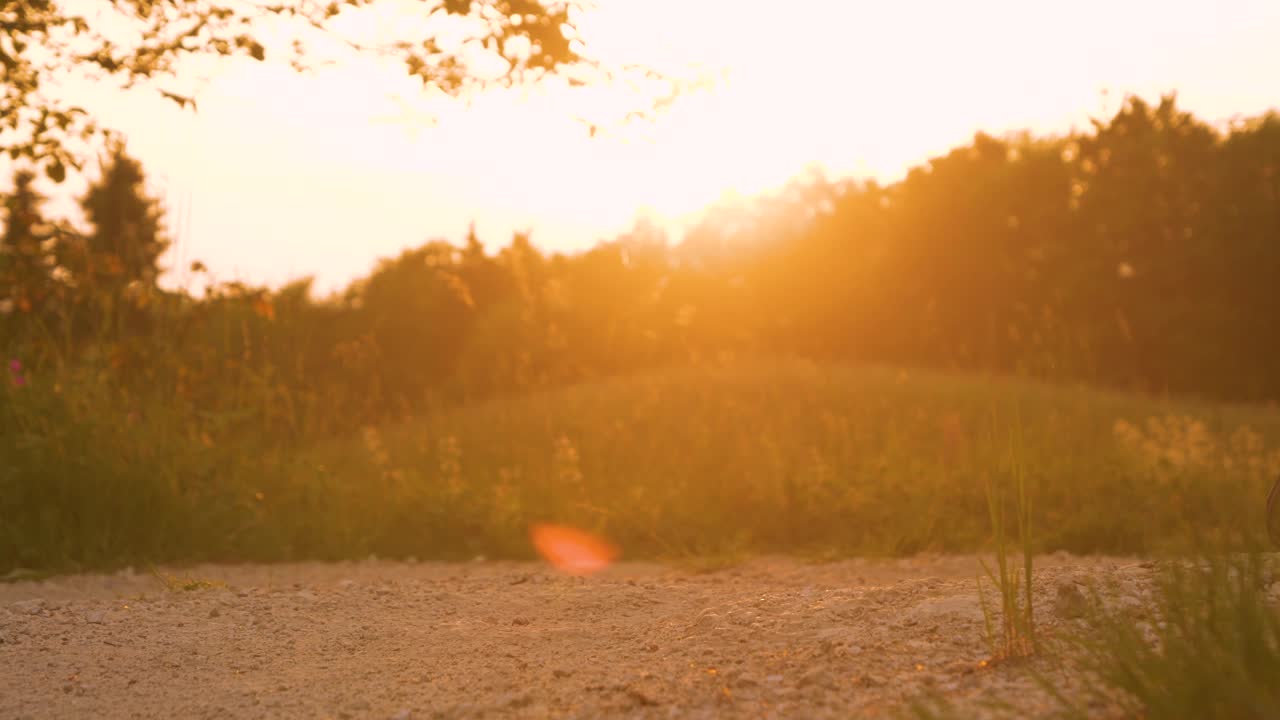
279 175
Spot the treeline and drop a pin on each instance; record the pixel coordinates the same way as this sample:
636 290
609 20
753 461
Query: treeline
1139 254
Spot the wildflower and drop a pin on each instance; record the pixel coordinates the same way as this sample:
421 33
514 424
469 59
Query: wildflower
15 373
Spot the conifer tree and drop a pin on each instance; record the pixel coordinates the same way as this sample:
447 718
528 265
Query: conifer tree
126 239
26 259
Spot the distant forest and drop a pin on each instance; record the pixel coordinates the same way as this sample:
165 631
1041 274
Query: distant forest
1142 253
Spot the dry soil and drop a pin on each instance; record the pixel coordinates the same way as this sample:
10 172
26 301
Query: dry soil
770 637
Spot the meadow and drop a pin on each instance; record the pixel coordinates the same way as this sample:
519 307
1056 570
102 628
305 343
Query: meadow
728 459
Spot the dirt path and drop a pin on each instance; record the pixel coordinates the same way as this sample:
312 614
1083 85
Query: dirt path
769 638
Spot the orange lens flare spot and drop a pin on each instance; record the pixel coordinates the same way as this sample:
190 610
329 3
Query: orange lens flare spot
572 551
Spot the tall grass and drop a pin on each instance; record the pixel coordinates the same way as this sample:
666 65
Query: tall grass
722 459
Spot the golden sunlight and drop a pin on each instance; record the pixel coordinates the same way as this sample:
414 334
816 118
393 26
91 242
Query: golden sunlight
729 341
357 149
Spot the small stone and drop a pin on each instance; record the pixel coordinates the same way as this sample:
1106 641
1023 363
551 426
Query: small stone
214 612
962 607
706 620
514 700
1133 606
1070 603
28 607
816 677
866 681
520 621
305 595
95 617
403 714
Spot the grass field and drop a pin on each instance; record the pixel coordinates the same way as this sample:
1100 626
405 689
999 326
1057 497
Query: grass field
717 461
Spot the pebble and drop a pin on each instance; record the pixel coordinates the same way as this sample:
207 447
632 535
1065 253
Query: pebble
1069 602
28 607
959 606
817 677
1133 606
706 620
404 714
95 617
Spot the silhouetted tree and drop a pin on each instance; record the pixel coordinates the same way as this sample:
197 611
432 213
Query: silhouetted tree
417 312
26 252
1246 226
123 247
1149 260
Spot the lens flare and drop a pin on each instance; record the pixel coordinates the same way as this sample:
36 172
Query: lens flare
572 551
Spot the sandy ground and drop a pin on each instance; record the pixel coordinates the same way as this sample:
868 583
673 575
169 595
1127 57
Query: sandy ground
767 638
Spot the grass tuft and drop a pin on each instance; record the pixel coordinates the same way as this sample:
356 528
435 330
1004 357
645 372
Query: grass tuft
1017 636
1210 648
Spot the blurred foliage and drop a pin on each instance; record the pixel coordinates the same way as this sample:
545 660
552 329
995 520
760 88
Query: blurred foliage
1139 255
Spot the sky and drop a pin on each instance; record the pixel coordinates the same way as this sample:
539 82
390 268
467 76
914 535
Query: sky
279 175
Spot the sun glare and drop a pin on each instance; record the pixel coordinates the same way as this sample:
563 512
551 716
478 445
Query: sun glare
572 551
855 89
